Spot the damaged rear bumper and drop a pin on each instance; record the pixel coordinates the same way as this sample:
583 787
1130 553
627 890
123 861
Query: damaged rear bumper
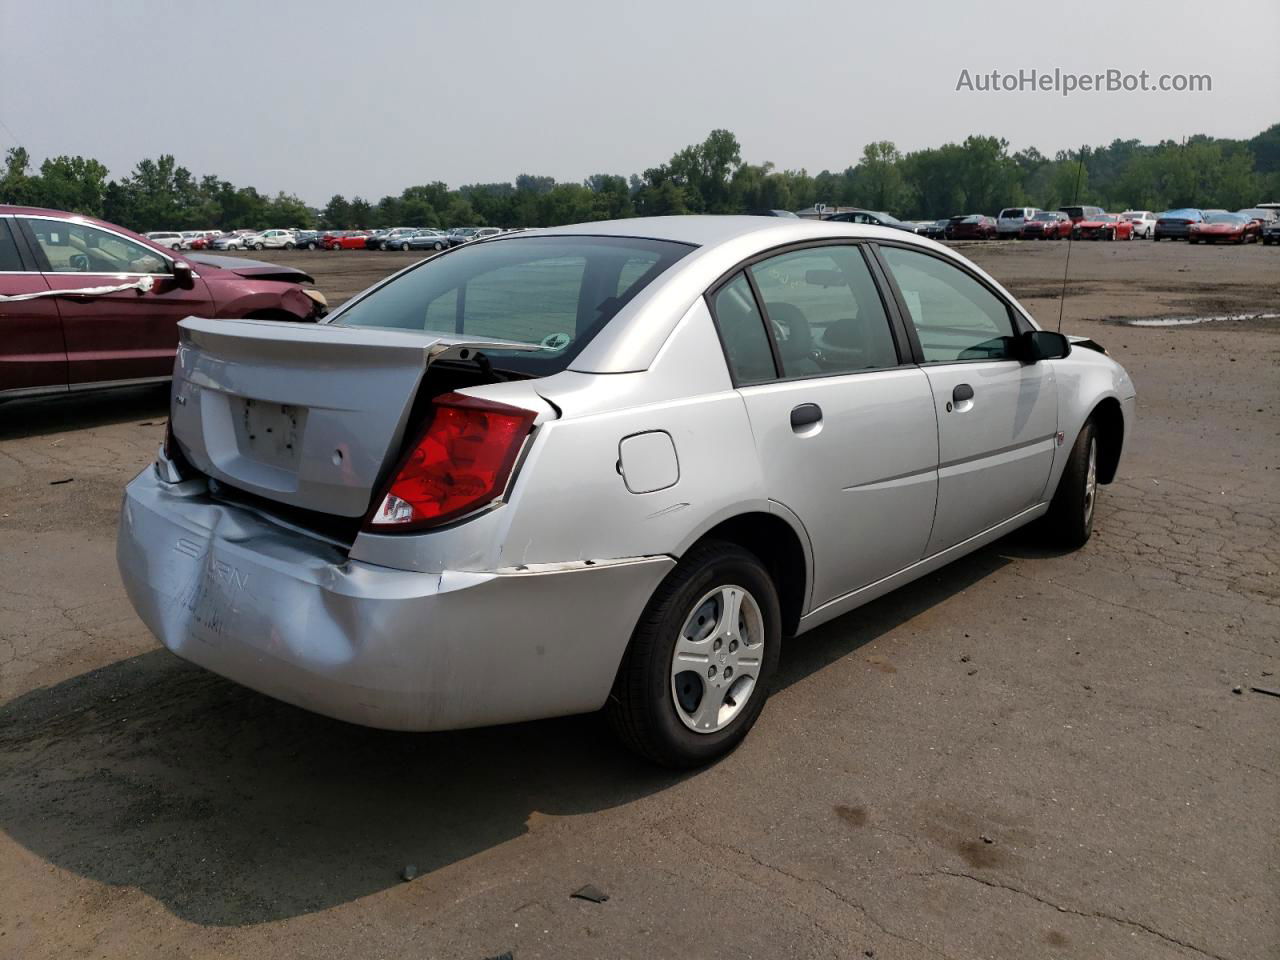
292 617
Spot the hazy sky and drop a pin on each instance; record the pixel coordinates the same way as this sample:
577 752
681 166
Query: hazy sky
324 97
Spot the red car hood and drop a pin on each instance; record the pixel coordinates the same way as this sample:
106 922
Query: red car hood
1092 224
1217 227
254 269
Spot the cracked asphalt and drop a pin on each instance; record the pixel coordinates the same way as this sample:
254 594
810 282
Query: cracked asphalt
1027 754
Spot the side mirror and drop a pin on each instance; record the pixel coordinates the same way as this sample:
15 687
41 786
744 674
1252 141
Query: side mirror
182 275
1037 345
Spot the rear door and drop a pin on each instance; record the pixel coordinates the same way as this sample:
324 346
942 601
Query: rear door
845 430
33 358
114 337
997 417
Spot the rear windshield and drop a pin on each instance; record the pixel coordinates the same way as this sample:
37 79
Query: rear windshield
1046 217
1013 213
556 292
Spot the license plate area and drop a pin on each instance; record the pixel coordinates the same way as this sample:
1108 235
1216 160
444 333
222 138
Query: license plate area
268 433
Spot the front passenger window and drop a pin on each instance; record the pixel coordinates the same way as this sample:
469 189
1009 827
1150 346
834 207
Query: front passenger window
955 316
79 248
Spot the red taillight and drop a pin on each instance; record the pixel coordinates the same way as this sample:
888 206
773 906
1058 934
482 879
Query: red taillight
462 461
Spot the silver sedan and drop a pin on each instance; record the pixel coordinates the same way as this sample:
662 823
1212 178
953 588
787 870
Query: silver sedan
608 466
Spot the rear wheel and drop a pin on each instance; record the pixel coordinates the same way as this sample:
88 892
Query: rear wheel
404 246
437 245
1069 522
288 244
697 672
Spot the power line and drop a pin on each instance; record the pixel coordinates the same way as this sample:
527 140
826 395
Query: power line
17 141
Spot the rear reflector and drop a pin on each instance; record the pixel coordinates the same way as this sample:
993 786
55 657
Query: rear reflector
462 462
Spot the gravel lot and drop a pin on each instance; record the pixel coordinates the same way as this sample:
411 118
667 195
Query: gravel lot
1025 755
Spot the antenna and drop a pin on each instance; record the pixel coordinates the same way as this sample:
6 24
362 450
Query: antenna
1062 300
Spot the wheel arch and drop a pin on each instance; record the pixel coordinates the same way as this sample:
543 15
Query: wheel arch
1108 419
781 545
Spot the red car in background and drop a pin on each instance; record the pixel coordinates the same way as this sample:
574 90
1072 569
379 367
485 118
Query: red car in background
1225 227
1047 225
975 226
101 304
345 240
1107 226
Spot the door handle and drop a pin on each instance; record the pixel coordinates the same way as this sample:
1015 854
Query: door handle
962 392
805 415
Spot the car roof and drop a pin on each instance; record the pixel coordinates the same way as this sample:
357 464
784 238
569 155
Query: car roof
706 230
631 340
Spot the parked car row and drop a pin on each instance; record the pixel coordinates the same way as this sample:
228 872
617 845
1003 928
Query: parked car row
1086 222
396 238
1080 222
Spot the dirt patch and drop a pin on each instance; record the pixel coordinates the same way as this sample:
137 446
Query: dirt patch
854 816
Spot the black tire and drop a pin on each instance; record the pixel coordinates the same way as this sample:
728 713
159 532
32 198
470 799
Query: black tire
1069 522
437 246
642 707
311 245
404 246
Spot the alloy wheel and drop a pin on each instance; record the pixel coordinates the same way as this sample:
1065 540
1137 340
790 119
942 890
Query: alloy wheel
1091 482
717 658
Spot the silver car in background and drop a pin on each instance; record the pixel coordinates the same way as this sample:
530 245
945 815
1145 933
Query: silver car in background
609 466
1011 220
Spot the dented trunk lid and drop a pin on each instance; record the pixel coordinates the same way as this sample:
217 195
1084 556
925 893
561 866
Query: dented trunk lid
309 416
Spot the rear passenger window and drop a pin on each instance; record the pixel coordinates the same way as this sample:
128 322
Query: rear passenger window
955 317
825 311
9 259
746 345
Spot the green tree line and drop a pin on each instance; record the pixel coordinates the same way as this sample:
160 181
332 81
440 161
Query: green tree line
980 175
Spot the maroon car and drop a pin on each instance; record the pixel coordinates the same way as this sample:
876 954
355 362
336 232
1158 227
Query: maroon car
975 226
87 304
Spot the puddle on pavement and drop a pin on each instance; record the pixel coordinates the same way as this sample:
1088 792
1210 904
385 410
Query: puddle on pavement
1188 321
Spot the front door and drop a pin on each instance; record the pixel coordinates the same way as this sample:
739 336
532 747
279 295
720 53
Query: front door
997 417
114 337
845 432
